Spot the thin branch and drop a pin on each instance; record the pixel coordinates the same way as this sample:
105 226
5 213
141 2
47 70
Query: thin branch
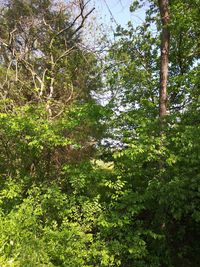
43 82
83 21
80 15
67 52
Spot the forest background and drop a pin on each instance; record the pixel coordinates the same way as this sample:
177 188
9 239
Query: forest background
92 182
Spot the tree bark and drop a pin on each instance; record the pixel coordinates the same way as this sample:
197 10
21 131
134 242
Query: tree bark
164 61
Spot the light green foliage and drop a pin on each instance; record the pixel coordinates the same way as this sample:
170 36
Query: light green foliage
47 216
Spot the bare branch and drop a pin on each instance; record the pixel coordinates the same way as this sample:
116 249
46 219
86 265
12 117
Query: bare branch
43 83
80 15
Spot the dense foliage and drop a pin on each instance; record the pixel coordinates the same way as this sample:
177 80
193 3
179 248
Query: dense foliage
84 184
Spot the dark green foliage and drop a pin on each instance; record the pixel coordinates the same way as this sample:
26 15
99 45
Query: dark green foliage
162 193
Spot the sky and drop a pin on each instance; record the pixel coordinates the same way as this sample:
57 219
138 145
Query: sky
117 12
106 16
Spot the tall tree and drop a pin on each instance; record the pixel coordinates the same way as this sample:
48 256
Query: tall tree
155 205
164 61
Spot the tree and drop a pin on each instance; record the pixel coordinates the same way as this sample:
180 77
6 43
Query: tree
155 204
50 124
43 63
40 47
165 39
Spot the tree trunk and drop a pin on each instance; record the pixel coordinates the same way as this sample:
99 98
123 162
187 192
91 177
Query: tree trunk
165 39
